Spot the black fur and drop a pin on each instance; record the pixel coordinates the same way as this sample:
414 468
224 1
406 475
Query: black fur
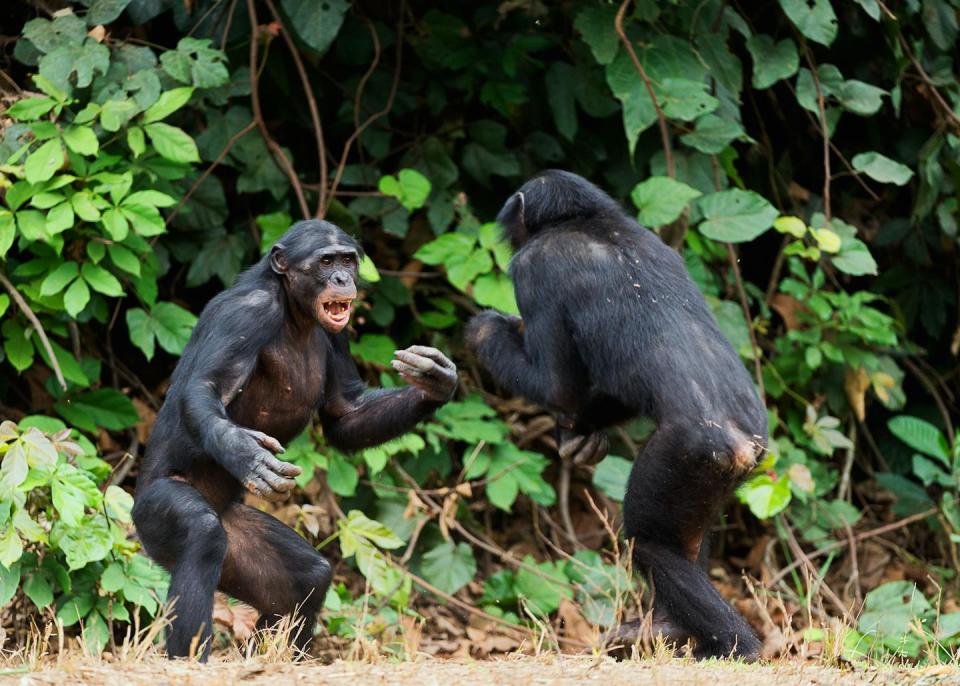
613 328
261 361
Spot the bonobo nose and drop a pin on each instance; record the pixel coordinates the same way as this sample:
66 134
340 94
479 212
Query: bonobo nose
340 278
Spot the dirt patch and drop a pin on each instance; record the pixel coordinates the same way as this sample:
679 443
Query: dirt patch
508 672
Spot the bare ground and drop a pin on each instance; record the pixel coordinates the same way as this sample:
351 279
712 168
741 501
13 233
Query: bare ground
509 672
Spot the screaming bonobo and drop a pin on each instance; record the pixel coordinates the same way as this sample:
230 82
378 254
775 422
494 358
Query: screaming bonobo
613 327
266 355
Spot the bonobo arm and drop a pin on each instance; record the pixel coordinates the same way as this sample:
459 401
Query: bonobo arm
355 417
216 363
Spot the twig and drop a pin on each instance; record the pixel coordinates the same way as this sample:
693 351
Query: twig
563 500
848 462
312 104
821 584
209 170
932 390
824 131
742 293
376 115
22 304
272 145
859 538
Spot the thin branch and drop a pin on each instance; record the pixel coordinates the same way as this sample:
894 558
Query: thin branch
22 304
312 104
825 131
272 145
373 117
742 293
209 170
932 390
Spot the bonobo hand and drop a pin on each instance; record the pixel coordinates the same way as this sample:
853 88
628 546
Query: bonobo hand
583 449
429 370
483 325
267 476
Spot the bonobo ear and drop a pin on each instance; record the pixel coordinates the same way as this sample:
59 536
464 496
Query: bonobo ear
278 259
512 218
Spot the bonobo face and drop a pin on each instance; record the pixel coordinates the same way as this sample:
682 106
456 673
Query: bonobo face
322 283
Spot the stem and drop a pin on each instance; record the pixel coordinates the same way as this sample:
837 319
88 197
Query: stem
22 304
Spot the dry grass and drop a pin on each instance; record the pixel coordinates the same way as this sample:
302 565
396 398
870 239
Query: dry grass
547 669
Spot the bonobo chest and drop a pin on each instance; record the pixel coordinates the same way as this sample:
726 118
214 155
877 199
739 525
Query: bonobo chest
285 388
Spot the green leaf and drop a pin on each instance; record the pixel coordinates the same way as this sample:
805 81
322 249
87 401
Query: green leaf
495 290
561 86
141 331
638 111
814 18
661 200
76 297
72 492
772 61
150 198
105 11
410 187
316 23
342 477
861 98
611 476
30 109
124 259
115 113
136 141
543 595
89 541
116 224
119 504
168 103
37 589
735 215
43 162
882 168
792 225
58 279
172 143
449 567
146 220
104 408
60 218
922 436
101 280
445 247
596 24
765 496
890 612
358 526
82 140
712 134
11 547
8 230
463 269
9 582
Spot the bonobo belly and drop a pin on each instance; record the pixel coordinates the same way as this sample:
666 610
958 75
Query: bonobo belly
279 402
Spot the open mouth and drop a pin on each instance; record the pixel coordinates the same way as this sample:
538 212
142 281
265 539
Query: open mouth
337 311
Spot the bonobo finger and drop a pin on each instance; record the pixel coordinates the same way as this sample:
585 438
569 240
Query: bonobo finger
423 364
274 481
404 369
257 486
433 354
570 445
593 450
280 467
270 443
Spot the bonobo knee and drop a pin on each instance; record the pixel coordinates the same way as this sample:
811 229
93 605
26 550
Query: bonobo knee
317 579
208 534
732 451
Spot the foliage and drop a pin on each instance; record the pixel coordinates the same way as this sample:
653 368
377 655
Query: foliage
64 540
803 158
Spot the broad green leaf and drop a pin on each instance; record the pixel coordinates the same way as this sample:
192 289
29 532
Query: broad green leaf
445 247
82 140
765 496
661 200
115 113
712 134
543 595
860 98
814 18
152 198
116 224
37 589
410 187
60 218
611 476
168 103
17 345
792 225
43 162
882 168
735 215
772 61
596 24
13 468
101 280
105 11
462 270
119 504
11 547
84 206
172 143
638 111
316 23
30 109
495 290
561 86
8 230
9 582
449 567
922 436
891 610
72 492
145 219
58 279
76 297
89 541
342 477
141 331
123 258
136 141
103 408
368 270
358 526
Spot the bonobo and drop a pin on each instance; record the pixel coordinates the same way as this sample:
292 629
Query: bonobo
265 355
613 327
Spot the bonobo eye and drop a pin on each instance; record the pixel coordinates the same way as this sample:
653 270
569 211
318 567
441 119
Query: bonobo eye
349 260
326 261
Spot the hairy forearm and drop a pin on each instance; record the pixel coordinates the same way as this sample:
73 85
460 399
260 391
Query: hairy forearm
206 420
378 416
504 355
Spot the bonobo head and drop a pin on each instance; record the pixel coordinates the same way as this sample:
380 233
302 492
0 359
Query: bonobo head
549 198
317 263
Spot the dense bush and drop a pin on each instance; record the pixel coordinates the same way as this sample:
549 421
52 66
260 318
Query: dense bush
803 156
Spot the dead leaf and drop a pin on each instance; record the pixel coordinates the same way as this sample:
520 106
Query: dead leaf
855 383
97 33
575 627
448 515
147 419
798 192
787 307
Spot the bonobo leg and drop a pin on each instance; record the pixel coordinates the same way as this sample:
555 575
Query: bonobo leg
180 530
676 488
271 567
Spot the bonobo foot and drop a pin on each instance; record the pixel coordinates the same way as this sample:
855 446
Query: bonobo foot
617 641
